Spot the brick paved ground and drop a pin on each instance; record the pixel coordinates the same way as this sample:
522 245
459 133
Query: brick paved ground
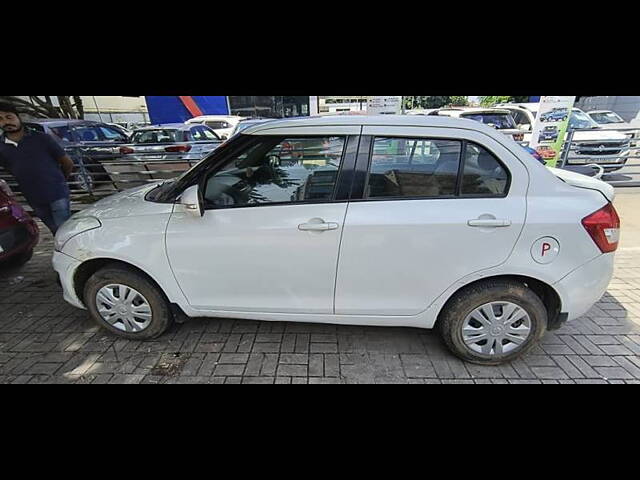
44 340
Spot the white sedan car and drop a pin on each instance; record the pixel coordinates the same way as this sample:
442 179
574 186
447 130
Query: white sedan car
363 220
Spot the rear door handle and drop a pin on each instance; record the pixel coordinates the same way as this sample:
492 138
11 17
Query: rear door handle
489 222
318 227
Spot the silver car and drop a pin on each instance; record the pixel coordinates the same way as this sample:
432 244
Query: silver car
171 142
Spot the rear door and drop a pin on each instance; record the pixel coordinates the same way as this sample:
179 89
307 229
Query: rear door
418 223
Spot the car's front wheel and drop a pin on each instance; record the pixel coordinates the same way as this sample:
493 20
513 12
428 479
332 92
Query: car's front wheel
493 322
127 303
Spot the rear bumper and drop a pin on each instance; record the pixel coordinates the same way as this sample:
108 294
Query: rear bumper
583 287
66 267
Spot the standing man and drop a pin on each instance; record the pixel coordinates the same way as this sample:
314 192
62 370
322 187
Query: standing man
39 164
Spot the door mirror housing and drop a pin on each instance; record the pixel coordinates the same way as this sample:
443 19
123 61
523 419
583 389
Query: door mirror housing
191 200
525 127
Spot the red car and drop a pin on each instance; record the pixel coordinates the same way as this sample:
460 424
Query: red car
19 234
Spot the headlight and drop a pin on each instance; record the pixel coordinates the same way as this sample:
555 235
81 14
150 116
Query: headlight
73 227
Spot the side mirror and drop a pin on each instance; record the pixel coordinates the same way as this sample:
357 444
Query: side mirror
526 127
191 201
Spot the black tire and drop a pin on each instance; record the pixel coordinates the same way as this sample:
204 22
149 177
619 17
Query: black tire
468 299
162 318
19 260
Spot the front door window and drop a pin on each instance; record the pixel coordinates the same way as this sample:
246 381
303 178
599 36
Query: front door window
278 170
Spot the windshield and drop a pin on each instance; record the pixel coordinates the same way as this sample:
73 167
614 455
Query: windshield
579 119
497 120
606 117
160 135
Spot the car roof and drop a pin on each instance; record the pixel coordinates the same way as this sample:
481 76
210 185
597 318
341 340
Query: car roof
364 120
601 111
473 110
61 121
214 117
176 126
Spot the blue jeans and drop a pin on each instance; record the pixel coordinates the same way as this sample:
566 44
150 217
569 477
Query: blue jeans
54 214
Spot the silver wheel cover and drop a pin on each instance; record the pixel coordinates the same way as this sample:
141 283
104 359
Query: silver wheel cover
123 308
496 328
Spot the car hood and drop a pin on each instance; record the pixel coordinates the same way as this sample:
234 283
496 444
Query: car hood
598 134
582 181
128 203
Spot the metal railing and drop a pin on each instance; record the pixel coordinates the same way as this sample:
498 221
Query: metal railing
621 160
95 178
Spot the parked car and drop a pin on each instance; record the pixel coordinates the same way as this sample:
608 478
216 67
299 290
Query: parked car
609 120
173 141
548 134
497 118
421 111
397 234
18 231
223 125
88 144
534 153
558 114
607 148
246 123
125 131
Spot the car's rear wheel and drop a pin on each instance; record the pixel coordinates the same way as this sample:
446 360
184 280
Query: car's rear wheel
127 303
493 322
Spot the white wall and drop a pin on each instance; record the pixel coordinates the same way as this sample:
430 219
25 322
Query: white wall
108 104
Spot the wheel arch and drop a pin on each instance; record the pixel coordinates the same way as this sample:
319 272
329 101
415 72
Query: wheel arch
89 267
547 294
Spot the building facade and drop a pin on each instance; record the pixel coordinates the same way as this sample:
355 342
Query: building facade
345 103
114 109
270 106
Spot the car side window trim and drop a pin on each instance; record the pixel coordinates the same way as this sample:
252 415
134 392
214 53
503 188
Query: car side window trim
341 180
365 159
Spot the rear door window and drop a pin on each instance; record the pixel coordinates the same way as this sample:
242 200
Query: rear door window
413 167
483 173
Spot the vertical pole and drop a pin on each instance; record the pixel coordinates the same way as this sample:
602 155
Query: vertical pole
97 108
566 148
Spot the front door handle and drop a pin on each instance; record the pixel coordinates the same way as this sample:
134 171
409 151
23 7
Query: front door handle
317 226
488 222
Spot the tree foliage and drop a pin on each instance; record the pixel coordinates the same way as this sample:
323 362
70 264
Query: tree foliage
43 107
459 101
492 100
425 102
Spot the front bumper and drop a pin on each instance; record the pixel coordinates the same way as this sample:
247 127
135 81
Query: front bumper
66 267
583 287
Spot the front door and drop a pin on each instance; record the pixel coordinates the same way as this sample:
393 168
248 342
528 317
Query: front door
434 208
270 234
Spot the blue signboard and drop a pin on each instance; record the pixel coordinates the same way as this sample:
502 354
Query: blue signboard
176 109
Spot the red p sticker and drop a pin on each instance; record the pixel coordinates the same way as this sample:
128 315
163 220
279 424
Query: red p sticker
545 248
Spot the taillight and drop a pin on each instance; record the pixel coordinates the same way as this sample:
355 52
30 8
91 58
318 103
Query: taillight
126 150
178 148
604 227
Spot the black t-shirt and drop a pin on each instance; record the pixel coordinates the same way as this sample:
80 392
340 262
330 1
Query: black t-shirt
35 165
